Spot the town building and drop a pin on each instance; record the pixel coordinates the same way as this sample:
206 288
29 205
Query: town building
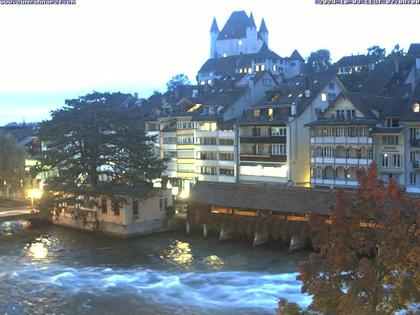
273 143
129 217
355 63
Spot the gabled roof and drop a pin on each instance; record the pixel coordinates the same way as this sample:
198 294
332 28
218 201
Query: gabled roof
236 25
214 28
296 56
263 27
355 60
414 50
292 90
229 64
20 133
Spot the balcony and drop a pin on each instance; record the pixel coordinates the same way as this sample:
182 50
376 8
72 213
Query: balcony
341 140
416 165
263 157
342 160
263 139
334 182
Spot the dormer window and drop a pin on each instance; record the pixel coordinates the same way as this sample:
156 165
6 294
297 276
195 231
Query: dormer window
256 113
392 122
416 107
323 97
240 43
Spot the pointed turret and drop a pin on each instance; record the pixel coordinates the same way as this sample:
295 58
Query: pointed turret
214 28
251 22
263 32
263 27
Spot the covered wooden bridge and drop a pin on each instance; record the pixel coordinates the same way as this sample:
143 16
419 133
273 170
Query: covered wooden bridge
259 211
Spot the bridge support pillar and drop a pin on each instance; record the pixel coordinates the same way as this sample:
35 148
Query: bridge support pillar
225 234
297 242
205 231
260 235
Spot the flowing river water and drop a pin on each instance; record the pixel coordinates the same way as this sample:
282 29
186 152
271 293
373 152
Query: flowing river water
53 270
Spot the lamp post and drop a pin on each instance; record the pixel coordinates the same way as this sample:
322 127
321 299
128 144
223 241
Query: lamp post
34 193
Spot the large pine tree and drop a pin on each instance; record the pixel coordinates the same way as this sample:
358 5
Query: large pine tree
96 145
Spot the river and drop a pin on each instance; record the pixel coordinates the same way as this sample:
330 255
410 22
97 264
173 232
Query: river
54 270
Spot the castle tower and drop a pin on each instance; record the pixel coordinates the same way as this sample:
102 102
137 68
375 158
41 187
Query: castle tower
263 32
214 33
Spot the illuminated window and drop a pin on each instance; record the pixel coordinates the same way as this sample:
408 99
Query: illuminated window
224 55
270 113
416 108
240 42
324 97
274 68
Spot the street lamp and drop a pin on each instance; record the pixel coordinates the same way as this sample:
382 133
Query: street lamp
34 193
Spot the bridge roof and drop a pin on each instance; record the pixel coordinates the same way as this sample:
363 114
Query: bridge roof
274 198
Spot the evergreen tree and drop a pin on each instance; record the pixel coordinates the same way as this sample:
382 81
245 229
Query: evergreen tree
12 164
96 145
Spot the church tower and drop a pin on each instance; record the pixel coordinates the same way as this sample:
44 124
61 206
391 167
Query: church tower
214 33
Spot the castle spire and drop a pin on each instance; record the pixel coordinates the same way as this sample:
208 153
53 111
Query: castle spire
214 28
251 21
263 27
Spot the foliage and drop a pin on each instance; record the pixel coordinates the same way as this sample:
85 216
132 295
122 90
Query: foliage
377 53
396 54
288 308
97 145
176 81
12 163
368 260
319 61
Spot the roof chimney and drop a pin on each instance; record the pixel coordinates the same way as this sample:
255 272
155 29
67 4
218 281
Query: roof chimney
307 90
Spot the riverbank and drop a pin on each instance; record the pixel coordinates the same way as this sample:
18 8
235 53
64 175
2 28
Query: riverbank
49 269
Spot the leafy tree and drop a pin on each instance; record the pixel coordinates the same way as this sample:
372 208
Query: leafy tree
97 145
12 163
368 260
396 54
176 81
377 53
319 61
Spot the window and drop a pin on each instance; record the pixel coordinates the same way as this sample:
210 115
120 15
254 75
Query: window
278 131
225 141
392 122
385 160
390 140
115 207
331 97
416 108
186 140
412 156
207 141
256 113
267 82
226 156
292 64
161 205
226 171
396 159
169 140
278 149
323 97
135 206
274 68
413 133
104 205
208 170
413 178
165 202
331 85
256 132
207 155
340 114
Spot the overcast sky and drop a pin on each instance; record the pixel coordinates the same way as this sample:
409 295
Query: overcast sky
50 53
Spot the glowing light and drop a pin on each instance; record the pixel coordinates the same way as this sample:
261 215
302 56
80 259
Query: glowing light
324 97
179 253
38 251
184 194
213 260
416 108
35 193
260 170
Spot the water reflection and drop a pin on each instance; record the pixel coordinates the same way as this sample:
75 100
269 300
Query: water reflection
179 252
213 261
39 249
